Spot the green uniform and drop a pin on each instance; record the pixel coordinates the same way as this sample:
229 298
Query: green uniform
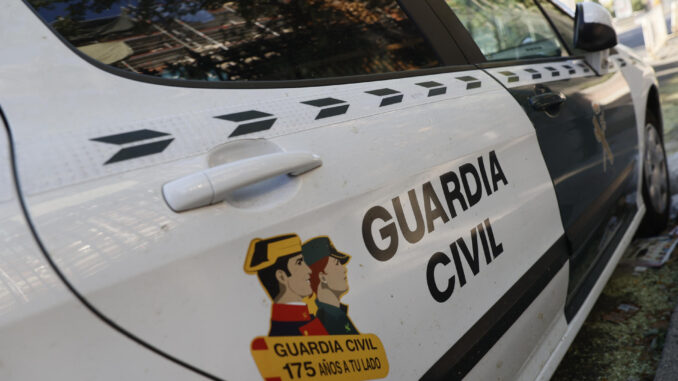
335 319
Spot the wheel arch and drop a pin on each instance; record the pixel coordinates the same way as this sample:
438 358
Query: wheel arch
654 106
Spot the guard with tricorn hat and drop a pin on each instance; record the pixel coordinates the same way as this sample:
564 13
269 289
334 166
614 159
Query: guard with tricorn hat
279 264
329 283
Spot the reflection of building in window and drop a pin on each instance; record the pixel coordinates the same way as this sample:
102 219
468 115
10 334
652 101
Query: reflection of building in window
248 41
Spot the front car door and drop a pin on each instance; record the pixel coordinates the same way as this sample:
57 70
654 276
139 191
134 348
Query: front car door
364 149
606 163
585 123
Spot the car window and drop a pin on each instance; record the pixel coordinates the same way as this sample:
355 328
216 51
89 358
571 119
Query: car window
508 29
243 40
563 23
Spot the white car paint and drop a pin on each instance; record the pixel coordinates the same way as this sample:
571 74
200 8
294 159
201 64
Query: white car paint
549 366
45 330
141 265
176 280
595 13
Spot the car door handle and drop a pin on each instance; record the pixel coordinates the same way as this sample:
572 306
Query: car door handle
543 102
214 184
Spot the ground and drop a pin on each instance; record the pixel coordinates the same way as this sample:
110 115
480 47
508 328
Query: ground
614 344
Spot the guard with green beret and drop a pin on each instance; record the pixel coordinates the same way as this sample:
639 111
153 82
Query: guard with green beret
321 247
329 282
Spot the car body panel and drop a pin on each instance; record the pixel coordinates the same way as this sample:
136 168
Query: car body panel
28 284
45 329
108 229
541 326
92 163
590 146
640 79
549 366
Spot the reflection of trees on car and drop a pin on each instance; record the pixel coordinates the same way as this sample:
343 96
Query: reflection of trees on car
504 28
249 39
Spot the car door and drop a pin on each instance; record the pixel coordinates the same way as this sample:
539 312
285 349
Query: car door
585 122
614 126
169 206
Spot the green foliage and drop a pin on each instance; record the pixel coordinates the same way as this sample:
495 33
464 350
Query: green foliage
638 5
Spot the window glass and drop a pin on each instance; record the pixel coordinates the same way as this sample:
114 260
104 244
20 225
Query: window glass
242 40
508 29
563 23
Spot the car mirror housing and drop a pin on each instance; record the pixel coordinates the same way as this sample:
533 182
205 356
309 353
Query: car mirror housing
593 30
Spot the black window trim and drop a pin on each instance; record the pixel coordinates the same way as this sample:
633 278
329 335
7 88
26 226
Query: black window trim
553 26
457 31
435 32
569 13
432 29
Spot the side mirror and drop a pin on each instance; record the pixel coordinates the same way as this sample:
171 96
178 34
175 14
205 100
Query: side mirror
593 30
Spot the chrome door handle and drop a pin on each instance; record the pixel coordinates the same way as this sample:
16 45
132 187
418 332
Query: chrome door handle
214 184
543 102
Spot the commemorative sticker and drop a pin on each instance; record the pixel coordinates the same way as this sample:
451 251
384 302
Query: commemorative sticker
311 336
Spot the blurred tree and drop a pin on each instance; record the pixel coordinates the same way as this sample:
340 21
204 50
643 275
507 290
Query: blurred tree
638 5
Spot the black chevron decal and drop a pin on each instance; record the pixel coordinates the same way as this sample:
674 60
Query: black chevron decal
132 150
435 88
535 74
511 76
256 121
553 70
388 96
130 137
471 82
328 107
248 128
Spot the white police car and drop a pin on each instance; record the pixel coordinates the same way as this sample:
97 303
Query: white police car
200 190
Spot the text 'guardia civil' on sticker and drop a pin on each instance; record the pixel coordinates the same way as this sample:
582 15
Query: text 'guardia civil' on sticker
338 357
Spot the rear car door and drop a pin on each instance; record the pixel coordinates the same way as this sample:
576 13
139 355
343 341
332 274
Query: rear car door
201 218
585 123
